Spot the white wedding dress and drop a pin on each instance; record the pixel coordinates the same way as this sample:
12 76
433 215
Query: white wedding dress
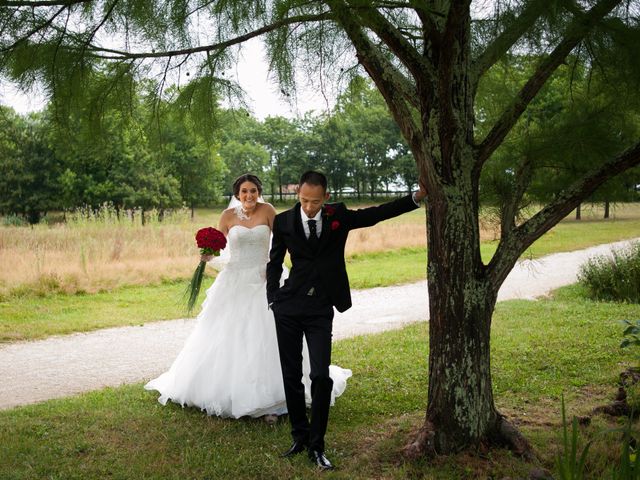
229 365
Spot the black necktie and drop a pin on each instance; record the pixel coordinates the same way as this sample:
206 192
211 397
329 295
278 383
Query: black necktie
313 234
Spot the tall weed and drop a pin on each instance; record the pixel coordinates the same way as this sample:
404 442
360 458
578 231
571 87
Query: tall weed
571 462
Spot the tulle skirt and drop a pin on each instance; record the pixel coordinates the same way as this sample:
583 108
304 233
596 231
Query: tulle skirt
229 365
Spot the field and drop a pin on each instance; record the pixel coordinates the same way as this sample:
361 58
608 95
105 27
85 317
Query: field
103 252
103 272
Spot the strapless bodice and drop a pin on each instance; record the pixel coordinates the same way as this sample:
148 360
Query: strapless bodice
248 246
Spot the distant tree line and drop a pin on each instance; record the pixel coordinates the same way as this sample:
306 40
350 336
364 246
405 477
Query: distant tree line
154 156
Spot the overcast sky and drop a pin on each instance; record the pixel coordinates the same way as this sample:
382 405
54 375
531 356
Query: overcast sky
262 94
252 73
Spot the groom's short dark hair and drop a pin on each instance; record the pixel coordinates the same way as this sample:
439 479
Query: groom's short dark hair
313 178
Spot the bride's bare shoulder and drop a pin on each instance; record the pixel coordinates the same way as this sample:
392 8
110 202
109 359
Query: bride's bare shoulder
268 207
226 218
228 211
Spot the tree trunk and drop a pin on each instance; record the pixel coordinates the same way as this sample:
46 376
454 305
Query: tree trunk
579 212
460 403
279 170
460 412
606 208
33 216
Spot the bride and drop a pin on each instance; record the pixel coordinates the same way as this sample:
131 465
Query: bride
229 365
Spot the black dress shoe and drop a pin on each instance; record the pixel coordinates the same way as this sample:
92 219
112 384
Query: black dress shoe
296 448
322 462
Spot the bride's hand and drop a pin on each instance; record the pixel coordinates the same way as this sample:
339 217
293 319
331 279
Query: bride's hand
206 258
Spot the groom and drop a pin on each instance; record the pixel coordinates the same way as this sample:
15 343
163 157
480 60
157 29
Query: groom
315 236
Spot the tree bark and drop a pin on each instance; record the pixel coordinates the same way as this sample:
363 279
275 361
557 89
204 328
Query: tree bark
279 170
461 412
606 208
579 212
460 403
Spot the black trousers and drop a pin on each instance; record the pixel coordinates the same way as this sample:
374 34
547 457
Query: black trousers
312 317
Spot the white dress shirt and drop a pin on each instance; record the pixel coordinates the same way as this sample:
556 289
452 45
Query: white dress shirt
305 225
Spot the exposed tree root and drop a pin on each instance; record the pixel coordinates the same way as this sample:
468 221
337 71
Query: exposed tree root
630 377
505 434
619 407
510 436
615 409
422 445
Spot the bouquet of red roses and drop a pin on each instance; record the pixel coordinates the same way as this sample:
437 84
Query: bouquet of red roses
210 241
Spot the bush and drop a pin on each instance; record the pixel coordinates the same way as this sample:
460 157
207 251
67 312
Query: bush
615 277
14 221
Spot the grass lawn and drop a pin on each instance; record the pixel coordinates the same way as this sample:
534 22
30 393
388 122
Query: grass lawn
31 317
26 317
540 349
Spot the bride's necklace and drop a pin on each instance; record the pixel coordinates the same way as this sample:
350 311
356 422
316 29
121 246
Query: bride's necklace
241 213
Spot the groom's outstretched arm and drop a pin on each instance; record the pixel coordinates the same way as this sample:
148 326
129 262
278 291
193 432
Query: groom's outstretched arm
366 217
276 259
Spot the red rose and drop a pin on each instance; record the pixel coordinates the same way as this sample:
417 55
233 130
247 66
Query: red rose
329 210
211 239
335 225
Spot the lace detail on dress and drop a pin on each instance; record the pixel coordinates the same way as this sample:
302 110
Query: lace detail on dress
240 213
249 246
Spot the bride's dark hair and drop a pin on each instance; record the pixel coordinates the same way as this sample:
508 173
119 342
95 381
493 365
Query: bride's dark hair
247 177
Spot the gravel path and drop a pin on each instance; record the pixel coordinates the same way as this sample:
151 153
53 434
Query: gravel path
35 371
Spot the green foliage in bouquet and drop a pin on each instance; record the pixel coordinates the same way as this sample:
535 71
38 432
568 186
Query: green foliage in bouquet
210 241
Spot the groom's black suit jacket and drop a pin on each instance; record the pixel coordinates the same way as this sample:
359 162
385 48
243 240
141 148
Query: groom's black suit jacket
327 260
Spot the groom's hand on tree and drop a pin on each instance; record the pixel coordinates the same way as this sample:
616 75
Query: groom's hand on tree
421 193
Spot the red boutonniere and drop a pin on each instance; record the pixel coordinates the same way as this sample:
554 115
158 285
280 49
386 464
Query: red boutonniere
329 210
335 225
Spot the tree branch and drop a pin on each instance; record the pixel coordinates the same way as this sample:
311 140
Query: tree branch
456 22
123 55
576 32
430 32
514 242
95 30
43 3
503 42
34 30
510 208
394 39
383 73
